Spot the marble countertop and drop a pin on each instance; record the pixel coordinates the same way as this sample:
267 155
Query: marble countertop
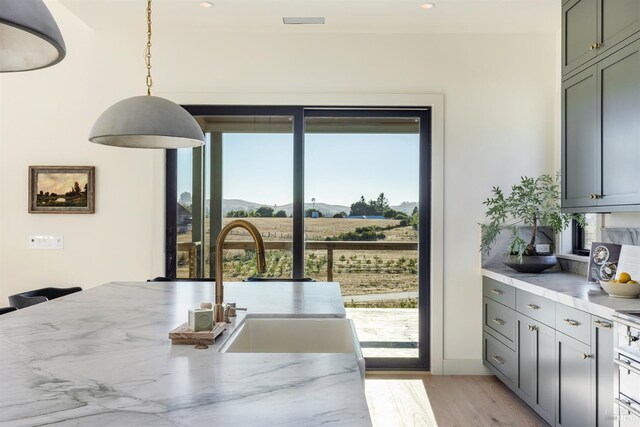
566 288
101 357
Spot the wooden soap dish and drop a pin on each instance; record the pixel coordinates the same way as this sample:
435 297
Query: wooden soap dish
183 335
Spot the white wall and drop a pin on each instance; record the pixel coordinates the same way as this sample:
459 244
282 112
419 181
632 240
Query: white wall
45 118
500 123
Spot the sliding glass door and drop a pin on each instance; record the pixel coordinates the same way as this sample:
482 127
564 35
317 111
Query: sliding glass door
338 195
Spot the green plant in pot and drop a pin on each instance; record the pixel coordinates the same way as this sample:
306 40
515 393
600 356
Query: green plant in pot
533 203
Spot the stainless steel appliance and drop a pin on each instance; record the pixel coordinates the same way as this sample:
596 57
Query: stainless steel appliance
627 374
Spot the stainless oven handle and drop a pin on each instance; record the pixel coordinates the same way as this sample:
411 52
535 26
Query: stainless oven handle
625 322
628 407
627 366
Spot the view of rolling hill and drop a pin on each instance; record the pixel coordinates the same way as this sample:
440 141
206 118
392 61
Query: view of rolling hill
326 208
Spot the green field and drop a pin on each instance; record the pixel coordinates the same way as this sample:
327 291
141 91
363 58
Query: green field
359 272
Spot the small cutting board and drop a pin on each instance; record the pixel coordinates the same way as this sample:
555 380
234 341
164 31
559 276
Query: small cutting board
183 335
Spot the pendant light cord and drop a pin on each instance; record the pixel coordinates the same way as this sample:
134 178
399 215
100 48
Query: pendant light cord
148 49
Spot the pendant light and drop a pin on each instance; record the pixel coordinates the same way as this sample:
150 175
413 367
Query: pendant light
147 121
29 36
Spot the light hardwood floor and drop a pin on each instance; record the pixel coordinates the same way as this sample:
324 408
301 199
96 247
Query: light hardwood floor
445 401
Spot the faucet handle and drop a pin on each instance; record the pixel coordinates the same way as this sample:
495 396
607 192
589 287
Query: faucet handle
231 309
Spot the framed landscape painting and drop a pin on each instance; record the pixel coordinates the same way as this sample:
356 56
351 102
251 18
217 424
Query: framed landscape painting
62 189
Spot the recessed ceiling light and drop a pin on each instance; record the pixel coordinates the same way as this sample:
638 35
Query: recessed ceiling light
206 4
428 5
303 20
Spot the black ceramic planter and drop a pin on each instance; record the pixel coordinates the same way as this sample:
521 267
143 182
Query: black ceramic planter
530 263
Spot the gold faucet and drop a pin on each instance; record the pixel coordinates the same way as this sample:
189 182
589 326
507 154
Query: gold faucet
220 309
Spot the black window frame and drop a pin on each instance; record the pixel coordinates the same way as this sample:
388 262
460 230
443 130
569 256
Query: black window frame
299 113
577 239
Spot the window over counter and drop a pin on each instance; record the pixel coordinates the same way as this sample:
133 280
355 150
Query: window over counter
584 236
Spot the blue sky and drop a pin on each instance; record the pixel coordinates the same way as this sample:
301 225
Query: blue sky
339 168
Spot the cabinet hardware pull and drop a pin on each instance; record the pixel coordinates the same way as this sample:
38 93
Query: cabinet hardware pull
601 324
532 328
585 356
592 46
499 321
498 359
627 365
497 291
597 46
533 306
571 322
628 407
592 196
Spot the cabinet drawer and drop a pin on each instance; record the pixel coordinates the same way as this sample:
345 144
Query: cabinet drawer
573 323
628 375
501 358
498 291
501 320
536 307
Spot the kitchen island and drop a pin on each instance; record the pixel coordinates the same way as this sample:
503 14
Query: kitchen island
102 357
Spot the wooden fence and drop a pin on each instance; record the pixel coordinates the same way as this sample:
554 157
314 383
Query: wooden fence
330 247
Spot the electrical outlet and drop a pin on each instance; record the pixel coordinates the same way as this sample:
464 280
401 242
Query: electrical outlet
543 248
46 242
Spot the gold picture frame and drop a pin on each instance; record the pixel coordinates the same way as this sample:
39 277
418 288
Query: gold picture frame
62 189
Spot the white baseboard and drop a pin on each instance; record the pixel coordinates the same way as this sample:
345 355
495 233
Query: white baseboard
464 367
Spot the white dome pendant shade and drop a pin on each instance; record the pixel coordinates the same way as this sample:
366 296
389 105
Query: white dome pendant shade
29 36
147 122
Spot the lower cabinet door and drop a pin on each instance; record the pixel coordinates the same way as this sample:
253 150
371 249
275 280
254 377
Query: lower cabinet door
602 370
537 366
574 406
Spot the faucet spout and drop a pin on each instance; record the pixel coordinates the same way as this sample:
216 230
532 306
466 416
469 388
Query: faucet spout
218 312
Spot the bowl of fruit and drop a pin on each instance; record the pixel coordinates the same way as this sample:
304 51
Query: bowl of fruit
622 287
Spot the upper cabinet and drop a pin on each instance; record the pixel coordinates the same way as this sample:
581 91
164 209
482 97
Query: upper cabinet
593 27
601 105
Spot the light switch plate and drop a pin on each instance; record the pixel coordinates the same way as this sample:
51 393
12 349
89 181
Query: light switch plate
543 248
46 242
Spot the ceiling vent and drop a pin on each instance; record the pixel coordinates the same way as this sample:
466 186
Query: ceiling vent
303 21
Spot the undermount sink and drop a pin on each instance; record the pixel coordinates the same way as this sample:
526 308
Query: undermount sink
295 335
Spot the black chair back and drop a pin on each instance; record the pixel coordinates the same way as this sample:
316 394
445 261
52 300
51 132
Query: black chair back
29 298
5 310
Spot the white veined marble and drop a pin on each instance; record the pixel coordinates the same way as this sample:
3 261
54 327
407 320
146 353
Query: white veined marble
101 357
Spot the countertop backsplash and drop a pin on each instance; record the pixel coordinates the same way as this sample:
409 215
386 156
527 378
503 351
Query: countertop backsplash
494 258
620 236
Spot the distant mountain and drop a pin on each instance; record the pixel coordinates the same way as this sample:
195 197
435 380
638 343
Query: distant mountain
326 208
406 207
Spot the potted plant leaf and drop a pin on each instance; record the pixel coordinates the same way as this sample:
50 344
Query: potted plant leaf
533 203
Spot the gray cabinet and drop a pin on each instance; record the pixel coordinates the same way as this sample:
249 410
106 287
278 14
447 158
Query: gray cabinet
619 101
600 134
556 358
591 28
574 403
536 383
580 140
580 30
602 370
